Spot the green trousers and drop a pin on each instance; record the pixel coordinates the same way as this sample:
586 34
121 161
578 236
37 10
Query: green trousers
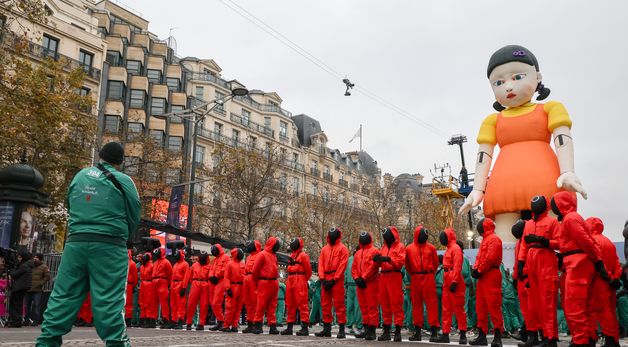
100 269
622 311
354 315
280 312
407 310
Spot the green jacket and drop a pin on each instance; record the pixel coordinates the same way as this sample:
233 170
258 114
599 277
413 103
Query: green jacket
97 209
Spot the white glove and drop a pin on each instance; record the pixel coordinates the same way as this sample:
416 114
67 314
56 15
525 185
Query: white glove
569 181
474 199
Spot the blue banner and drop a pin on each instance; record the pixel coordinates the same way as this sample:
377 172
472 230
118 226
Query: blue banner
6 223
174 206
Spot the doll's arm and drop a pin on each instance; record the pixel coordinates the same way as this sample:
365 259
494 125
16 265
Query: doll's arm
564 151
482 167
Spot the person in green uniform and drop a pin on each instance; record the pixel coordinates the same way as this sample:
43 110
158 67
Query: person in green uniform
513 320
407 301
281 304
315 295
104 211
560 317
354 315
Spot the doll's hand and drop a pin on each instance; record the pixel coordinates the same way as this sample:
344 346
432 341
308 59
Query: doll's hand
474 199
569 181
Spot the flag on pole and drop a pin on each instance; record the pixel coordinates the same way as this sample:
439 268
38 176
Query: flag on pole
357 134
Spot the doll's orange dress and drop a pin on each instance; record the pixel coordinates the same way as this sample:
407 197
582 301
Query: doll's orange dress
526 164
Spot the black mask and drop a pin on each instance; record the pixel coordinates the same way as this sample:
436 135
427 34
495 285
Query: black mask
365 238
423 235
250 247
277 246
539 205
240 254
388 236
156 254
202 259
177 256
215 251
517 229
526 215
334 235
295 244
556 210
145 258
480 227
442 237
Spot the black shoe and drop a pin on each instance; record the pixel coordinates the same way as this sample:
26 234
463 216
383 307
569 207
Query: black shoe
152 323
434 334
417 334
497 339
385 336
341 332
520 335
249 328
200 327
257 328
304 330
362 334
233 330
273 330
443 338
370 333
533 340
178 325
397 337
463 337
288 330
188 327
326 332
553 343
128 322
217 327
480 340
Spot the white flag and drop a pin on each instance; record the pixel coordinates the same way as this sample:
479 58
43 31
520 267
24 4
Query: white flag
358 134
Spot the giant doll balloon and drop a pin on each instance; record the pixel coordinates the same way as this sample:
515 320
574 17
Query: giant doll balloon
526 164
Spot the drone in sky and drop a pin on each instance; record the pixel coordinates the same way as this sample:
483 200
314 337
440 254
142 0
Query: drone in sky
349 86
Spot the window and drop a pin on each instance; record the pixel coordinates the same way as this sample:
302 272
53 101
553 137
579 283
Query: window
326 170
283 129
134 67
173 175
295 157
235 137
220 106
246 117
112 124
114 58
173 84
83 91
267 122
218 128
282 153
198 191
314 165
198 92
297 185
157 106
314 188
152 174
215 161
283 182
176 119
86 59
175 143
131 165
253 141
51 46
115 90
153 75
157 136
200 154
135 130
138 98
326 195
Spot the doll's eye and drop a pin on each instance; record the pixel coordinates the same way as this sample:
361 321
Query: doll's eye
519 76
498 83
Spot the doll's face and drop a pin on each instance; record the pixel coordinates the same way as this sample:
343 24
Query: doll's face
514 83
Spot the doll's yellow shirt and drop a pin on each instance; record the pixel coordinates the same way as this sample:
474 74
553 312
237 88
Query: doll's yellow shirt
556 116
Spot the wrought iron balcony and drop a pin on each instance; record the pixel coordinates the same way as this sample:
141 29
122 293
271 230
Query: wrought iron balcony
252 125
210 78
343 183
314 171
328 176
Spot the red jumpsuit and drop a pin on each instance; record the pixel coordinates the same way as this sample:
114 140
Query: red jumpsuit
579 252
234 280
250 287
162 276
332 264
421 263
488 293
391 281
453 303
265 274
604 298
85 313
131 282
198 276
146 299
541 266
297 286
177 302
364 267
218 270
529 316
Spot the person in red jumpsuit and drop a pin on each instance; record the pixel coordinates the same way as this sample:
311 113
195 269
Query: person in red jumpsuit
85 316
332 264
581 259
266 275
216 277
131 282
297 297
391 259
250 287
197 276
488 294
365 274
541 237
604 299
234 282
178 288
162 277
421 264
148 314
454 287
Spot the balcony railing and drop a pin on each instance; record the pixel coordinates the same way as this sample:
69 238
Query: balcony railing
252 125
343 183
328 176
294 165
314 171
283 138
275 109
210 78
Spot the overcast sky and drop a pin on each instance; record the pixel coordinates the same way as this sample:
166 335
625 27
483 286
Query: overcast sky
428 58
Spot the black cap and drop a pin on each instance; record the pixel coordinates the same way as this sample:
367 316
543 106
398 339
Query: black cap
113 153
509 54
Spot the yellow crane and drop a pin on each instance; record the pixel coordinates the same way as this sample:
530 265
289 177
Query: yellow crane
445 187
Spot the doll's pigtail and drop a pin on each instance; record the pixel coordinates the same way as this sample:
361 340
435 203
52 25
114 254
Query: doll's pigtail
498 107
543 91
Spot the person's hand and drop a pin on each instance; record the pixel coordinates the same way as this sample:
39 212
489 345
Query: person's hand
474 199
328 285
520 266
381 259
615 284
569 181
360 282
452 287
291 261
213 279
229 292
601 270
182 292
476 274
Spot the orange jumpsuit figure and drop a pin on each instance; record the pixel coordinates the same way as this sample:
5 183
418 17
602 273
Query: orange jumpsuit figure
197 276
250 286
489 285
162 276
178 288
392 258
332 264
421 264
581 259
85 316
216 278
365 274
234 282
131 282
266 275
454 287
604 300
297 297
148 313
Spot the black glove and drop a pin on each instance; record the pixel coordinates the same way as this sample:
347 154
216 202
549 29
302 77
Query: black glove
381 259
514 283
182 292
328 284
360 282
520 265
291 261
452 287
601 270
213 280
615 284
229 293
531 238
560 261
537 239
476 274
